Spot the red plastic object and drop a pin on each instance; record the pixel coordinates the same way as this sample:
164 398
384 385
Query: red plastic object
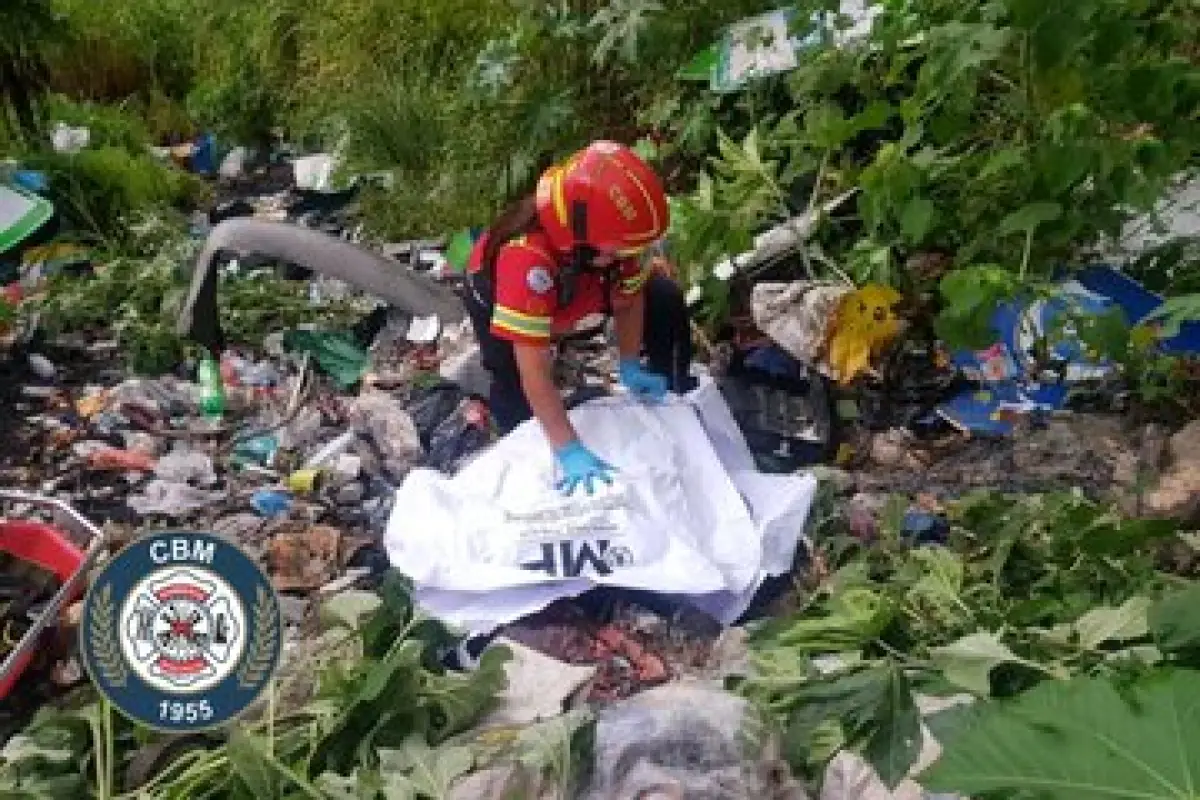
47 547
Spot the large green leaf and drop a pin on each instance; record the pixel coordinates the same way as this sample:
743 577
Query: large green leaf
917 219
430 771
1102 625
560 748
1028 218
250 765
347 609
458 700
937 589
969 662
1082 740
870 709
848 620
1175 621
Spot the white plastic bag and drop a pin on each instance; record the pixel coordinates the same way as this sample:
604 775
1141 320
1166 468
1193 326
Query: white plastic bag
315 172
69 140
687 516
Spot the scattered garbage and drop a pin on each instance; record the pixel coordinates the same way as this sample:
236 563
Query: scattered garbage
44 569
338 355
388 441
42 367
414 293
332 455
782 408
186 467
315 172
173 500
304 559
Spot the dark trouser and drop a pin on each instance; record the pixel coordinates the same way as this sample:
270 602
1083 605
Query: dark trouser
666 337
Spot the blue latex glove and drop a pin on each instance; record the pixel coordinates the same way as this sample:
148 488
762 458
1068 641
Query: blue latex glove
581 466
642 384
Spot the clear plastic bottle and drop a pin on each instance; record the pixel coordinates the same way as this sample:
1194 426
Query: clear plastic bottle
212 388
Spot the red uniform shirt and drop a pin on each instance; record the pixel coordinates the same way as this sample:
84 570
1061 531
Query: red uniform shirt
526 281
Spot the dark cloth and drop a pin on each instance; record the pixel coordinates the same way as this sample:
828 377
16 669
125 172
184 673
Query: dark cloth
666 337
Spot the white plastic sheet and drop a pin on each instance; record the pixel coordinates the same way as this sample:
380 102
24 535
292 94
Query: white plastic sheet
688 515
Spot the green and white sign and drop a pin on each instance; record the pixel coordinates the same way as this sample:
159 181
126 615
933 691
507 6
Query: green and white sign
21 213
766 44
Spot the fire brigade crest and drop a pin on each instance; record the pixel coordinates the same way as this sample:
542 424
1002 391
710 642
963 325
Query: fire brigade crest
181 631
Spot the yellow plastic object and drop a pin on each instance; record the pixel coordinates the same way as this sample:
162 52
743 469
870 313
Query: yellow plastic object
304 481
864 323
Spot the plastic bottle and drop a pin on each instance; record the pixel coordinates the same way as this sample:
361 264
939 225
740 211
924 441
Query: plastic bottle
212 388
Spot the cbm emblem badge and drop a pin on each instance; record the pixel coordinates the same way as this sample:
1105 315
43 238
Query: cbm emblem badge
181 631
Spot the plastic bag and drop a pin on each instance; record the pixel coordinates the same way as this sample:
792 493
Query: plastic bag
687 516
431 406
683 741
460 436
387 440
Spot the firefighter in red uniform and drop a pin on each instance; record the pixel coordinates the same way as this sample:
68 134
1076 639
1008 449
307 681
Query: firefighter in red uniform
570 250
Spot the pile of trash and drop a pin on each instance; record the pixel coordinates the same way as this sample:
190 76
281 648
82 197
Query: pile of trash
333 455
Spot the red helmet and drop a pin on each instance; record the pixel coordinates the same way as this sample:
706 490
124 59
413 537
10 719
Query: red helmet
605 197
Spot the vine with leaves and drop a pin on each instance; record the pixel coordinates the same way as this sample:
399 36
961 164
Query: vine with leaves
1010 138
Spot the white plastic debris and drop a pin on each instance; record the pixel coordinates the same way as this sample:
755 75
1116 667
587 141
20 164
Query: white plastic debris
234 164
423 330
172 499
315 172
186 467
539 687
42 367
797 315
68 140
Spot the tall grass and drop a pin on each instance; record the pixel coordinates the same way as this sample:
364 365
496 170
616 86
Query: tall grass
463 100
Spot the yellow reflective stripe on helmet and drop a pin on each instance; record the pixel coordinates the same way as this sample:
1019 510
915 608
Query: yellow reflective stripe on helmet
558 183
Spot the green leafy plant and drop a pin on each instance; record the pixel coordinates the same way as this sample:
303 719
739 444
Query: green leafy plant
1008 137
1027 590
373 729
137 298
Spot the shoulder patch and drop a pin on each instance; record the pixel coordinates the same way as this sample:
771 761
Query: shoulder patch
539 281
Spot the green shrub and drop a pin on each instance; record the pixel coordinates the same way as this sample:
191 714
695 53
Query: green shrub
100 190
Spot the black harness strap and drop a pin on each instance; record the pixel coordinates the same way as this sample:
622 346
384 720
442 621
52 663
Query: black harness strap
581 262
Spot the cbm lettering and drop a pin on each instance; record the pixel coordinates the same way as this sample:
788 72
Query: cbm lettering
569 558
164 551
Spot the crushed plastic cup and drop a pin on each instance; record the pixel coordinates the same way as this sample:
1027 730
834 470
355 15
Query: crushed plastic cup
271 503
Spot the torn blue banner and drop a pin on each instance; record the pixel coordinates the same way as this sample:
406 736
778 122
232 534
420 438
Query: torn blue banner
1138 302
1008 370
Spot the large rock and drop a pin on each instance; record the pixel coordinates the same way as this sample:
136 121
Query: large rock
687 741
1177 495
